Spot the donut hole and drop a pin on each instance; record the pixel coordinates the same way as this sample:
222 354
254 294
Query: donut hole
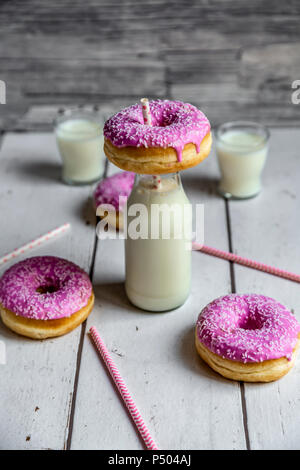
49 286
165 119
48 289
164 123
249 323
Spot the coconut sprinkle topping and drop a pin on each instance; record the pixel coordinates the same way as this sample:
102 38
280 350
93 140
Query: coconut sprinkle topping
45 288
110 189
174 124
248 328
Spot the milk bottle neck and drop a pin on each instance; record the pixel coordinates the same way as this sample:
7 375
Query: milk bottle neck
163 183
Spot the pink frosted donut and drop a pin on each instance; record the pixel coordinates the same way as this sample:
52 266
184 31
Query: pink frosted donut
178 138
44 289
247 330
109 190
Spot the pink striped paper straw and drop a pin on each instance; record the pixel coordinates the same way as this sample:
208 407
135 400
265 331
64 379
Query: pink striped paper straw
148 121
246 262
146 111
156 182
121 386
34 243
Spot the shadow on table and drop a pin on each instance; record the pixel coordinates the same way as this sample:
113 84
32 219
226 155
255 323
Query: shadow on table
43 171
114 295
192 360
202 184
6 333
87 212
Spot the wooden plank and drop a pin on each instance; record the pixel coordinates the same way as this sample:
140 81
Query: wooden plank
237 60
41 117
267 229
147 14
37 381
85 77
265 69
116 44
185 404
220 66
101 46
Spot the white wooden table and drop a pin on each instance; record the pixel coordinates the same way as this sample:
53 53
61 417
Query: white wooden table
55 394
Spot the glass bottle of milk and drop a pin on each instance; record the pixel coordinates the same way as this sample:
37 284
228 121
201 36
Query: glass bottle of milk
158 243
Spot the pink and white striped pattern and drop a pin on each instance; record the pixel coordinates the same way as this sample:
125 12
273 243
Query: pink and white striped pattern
246 262
34 243
146 112
121 386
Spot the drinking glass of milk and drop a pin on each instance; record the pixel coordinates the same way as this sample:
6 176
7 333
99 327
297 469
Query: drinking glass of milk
158 259
79 135
242 149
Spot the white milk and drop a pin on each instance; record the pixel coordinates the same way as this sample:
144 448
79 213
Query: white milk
242 155
158 271
80 142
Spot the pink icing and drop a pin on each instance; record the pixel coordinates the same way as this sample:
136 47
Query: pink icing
67 288
110 189
248 328
174 124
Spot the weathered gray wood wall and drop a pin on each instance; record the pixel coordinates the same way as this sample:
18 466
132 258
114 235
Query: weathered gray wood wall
234 58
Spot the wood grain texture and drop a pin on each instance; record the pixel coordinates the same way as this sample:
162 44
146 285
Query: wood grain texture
267 229
38 378
184 403
237 60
